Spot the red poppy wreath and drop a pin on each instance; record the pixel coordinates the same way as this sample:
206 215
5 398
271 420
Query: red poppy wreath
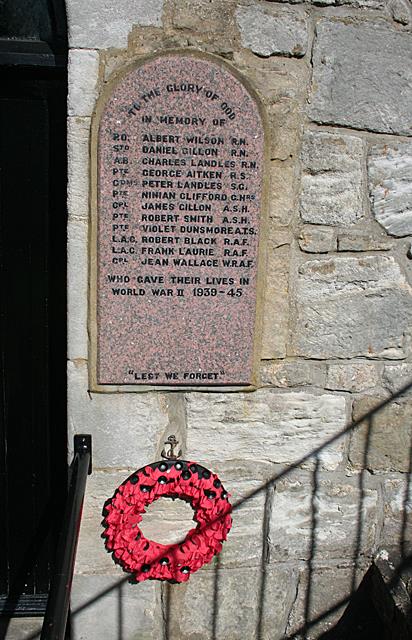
147 559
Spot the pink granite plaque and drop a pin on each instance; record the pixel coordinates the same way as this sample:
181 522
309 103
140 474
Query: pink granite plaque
180 149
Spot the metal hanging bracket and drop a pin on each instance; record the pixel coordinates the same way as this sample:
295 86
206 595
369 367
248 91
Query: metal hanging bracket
170 454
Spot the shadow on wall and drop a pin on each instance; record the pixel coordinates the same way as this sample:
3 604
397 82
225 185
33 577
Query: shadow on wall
375 582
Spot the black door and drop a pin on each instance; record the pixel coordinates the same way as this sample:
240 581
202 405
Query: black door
33 434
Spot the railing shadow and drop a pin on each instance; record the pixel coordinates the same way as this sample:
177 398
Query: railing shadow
312 624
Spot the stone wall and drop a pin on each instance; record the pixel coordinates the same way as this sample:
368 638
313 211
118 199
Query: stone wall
315 505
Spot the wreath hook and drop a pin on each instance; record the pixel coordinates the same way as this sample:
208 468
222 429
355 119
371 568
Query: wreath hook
172 443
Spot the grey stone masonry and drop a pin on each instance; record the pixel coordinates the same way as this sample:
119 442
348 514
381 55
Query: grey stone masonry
208 17
276 303
315 500
266 425
319 593
357 240
354 377
100 24
224 605
272 32
383 440
401 11
106 607
283 181
332 182
244 546
397 376
361 77
355 4
77 289
396 536
139 421
83 69
293 374
390 186
283 84
317 240
352 306
78 162
335 500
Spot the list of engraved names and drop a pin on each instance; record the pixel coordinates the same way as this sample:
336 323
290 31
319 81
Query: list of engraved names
178 227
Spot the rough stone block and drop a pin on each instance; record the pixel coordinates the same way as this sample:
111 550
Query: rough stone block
78 133
83 70
104 608
175 406
397 376
354 85
317 240
144 42
348 307
282 83
272 32
400 11
283 183
396 535
93 24
382 442
278 80
398 585
332 503
276 303
332 179
390 187
249 485
319 593
293 374
77 278
125 427
353 377
244 545
216 16
355 4
233 604
285 118
265 425
357 240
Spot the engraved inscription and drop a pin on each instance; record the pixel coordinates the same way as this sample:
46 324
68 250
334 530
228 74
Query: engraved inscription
180 165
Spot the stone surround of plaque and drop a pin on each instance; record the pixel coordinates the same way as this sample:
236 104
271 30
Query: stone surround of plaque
176 224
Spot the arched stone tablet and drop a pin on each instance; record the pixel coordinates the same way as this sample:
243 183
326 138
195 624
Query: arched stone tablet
176 223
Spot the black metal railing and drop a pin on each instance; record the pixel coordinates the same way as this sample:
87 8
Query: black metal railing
55 619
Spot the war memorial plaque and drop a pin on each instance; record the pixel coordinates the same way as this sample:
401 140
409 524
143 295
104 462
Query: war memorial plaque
176 226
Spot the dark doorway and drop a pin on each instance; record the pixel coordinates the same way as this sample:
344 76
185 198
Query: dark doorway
33 89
